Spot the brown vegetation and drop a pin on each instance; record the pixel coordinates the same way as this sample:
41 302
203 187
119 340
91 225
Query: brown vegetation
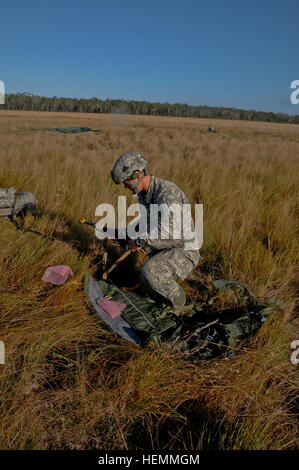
68 383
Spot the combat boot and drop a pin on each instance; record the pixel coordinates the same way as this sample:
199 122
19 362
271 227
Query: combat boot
179 299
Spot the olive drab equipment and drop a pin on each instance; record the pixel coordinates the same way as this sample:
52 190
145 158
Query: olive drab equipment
202 333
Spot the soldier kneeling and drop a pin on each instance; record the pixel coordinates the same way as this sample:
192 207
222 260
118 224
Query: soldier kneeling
168 259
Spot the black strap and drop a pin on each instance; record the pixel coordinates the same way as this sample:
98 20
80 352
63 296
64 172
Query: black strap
21 228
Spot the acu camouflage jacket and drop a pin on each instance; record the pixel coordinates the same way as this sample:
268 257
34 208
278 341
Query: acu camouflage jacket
171 234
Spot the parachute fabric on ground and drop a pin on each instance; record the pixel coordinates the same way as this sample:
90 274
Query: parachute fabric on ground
119 324
149 321
69 130
200 334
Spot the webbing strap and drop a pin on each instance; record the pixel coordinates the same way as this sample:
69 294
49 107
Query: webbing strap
134 306
21 228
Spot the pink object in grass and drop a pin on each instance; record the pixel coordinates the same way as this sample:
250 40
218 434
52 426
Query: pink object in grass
57 274
112 308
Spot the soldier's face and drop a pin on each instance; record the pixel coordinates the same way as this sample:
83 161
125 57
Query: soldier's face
134 181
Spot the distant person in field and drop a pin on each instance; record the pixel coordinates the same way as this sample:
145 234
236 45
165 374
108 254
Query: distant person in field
211 129
170 258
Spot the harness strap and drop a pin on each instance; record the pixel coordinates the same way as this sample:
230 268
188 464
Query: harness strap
21 228
134 306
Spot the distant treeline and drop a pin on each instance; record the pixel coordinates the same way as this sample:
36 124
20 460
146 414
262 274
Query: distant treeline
28 102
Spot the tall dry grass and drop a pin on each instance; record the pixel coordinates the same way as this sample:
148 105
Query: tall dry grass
68 382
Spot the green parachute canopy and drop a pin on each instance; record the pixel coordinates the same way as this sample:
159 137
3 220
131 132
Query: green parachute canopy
202 333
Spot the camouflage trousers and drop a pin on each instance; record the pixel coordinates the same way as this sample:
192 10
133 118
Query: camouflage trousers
159 273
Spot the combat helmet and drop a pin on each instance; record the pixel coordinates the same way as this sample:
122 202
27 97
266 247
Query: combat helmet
128 167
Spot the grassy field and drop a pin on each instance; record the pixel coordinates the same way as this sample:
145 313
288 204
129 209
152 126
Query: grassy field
68 383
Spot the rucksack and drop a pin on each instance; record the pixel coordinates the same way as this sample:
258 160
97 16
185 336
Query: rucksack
15 203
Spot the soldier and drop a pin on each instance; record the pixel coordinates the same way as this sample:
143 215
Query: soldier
170 258
211 129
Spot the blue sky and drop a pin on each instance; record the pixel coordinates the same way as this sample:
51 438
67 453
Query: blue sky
219 53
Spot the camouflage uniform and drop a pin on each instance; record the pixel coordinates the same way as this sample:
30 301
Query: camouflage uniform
168 258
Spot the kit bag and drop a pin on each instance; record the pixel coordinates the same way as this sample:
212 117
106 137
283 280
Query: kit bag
15 203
